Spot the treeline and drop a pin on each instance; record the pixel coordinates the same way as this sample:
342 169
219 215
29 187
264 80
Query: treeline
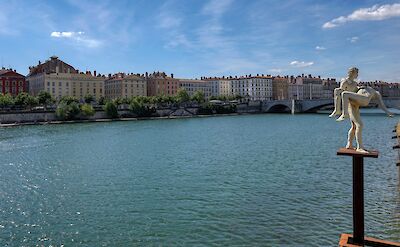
24 100
69 108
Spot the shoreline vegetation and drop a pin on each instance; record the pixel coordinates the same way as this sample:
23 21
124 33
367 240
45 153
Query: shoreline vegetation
25 109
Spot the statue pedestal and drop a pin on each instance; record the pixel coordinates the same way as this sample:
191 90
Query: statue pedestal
358 239
345 241
358 192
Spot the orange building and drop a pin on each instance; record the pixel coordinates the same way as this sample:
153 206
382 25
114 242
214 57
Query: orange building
159 83
280 87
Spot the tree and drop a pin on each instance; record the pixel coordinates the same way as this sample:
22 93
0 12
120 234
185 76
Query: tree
102 100
182 95
45 98
89 98
24 99
198 96
67 111
118 101
68 100
31 101
6 100
87 110
111 109
21 99
140 108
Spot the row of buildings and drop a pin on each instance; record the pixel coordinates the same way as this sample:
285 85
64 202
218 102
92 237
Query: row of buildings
61 79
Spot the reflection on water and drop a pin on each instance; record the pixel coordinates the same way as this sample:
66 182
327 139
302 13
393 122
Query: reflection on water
270 180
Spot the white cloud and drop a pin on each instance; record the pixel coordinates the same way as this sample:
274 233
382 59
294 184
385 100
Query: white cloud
301 64
275 70
168 21
375 13
353 39
320 48
66 34
216 7
178 40
78 37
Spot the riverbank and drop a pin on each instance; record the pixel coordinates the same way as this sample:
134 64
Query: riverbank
102 120
19 118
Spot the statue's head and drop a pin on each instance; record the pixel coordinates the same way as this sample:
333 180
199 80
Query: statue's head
353 72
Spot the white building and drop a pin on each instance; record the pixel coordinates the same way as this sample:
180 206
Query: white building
252 87
220 87
191 86
305 87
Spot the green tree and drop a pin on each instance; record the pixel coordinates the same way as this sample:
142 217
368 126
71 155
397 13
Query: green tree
21 99
198 96
6 100
24 99
67 111
102 100
140 108
31 101
111 109
182 95
118 101
68 100
87 110
89 98
45 98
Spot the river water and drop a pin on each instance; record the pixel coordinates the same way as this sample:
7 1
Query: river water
254 180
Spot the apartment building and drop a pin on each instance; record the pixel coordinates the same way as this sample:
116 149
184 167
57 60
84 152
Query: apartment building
125 86
305 87
191 86
280 87
219 86
11 82
61 79
252 87
158 83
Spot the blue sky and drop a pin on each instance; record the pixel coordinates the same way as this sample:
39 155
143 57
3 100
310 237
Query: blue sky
193 38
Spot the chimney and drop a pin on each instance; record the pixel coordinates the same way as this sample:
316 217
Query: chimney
40 62
172 75
94 73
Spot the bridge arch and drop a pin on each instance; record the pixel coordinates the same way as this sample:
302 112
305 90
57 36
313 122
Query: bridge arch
318 107
279 108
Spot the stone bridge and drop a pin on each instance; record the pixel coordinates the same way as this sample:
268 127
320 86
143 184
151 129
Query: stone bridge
312 105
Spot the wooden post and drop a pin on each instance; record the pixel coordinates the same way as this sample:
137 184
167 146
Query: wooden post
358 192
358 200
